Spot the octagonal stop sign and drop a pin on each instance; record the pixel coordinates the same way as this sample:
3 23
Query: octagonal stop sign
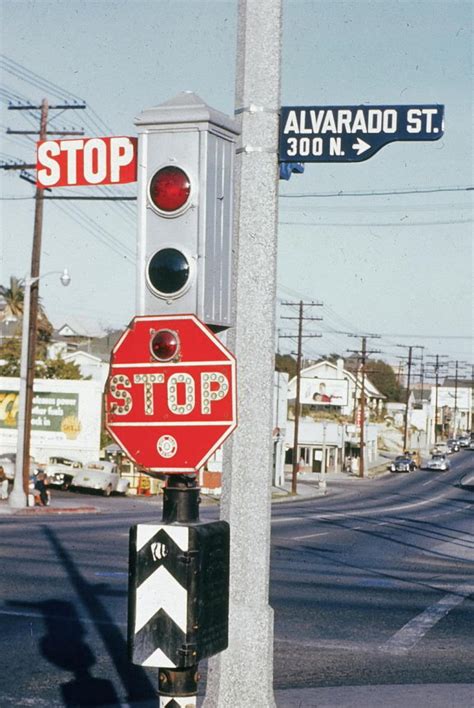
170 407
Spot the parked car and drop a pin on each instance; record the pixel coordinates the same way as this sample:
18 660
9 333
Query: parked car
471 445
60 471
464 440
8 466
438 462
8 462
402 463
440 448
101 476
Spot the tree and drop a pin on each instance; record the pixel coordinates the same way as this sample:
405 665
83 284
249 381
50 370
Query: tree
59 369
10 353
384 378
285 363
14 297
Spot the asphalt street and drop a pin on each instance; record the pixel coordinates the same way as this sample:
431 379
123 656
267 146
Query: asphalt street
371 586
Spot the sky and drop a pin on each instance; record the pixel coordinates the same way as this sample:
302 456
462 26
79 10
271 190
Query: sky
385 244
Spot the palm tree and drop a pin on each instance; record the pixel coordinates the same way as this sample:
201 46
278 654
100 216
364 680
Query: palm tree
13 299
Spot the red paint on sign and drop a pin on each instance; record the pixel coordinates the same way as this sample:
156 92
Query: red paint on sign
86 161
170 416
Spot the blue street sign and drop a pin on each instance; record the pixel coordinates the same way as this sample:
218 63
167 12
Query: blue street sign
352 133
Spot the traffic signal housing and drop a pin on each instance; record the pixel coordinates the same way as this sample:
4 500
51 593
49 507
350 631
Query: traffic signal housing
185 196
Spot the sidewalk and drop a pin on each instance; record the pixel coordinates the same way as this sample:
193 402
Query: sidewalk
58 506
309 483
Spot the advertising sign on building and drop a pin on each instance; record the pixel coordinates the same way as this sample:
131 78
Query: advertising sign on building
324 392
65 418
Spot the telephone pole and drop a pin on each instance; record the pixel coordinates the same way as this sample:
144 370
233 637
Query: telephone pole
34 277
408 391
362 354
436 364
301 305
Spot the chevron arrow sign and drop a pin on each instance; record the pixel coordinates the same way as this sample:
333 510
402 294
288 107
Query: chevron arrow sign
178 593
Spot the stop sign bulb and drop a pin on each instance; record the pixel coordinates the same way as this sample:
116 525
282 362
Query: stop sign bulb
164 345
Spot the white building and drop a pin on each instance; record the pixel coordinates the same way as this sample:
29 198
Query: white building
330 385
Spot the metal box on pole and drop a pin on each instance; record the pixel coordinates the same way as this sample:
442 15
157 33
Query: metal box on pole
185 189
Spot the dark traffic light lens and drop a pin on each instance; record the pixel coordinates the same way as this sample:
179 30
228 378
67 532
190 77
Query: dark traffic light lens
170 189
168 271
164 345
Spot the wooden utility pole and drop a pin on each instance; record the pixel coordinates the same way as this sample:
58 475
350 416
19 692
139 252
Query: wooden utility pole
362 355
410 360
299 355
34 276
34 300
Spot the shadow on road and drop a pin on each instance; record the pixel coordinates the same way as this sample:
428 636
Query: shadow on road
64 644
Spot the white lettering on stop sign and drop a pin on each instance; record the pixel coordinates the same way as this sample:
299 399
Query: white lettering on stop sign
86 161
180 392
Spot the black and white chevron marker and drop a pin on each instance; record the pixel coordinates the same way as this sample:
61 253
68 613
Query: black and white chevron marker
178 593
187 702
158 612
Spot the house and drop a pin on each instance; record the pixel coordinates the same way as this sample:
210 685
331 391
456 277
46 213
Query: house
328 386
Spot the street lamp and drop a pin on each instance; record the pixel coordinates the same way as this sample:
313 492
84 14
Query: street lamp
18 498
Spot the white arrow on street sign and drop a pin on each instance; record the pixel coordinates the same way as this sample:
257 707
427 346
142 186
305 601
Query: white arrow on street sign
361 146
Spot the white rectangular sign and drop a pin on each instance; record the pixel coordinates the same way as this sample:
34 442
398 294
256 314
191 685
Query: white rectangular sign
324 392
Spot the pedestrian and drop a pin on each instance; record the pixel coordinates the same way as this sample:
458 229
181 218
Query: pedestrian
3 484
42 495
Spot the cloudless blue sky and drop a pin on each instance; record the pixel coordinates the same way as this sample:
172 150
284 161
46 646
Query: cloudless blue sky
399 264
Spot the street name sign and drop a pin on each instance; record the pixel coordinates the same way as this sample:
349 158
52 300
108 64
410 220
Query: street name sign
86 161
169 414
353 133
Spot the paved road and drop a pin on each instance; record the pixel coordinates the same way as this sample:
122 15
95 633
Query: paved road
370 587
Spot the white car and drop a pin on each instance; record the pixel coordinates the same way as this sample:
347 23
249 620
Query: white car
60 471
101 476
438 462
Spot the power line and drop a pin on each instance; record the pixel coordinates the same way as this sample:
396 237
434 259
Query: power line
376 193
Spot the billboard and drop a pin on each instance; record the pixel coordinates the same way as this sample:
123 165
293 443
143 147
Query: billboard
324 392
65 418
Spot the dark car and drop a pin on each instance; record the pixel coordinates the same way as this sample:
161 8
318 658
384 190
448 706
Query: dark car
402 463
453 445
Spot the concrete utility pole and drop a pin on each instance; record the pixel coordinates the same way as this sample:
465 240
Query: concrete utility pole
243 674
299 356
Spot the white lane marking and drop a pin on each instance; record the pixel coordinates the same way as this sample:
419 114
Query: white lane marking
381 510
430 481
59 618
462 549
289 518
414 630
311 535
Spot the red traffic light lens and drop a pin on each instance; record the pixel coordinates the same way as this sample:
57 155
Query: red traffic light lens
170 189
164 345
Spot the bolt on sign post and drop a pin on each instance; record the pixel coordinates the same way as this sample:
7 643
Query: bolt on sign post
170 402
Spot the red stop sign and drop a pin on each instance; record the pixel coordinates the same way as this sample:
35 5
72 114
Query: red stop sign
170 415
